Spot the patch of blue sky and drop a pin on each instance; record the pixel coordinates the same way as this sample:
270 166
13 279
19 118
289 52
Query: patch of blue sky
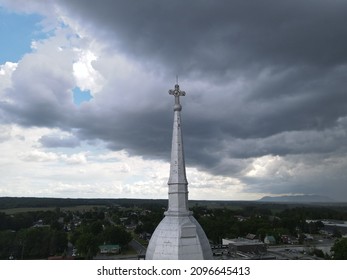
80 96
17 31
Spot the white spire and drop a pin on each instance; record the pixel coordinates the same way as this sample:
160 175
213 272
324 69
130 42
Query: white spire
178 184
178 236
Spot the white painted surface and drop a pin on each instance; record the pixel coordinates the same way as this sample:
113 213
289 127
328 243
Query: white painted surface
178 236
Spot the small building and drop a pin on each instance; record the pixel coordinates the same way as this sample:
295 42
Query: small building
308 237
251 236
244 245
240 218
145 236
285 239
270 240
109 249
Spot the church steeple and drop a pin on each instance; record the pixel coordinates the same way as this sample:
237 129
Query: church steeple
178 236
178 184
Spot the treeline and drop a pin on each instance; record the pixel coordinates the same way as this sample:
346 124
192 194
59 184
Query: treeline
32 243
88 237
27 219
41 234
221 223
34 202
317 213
19 238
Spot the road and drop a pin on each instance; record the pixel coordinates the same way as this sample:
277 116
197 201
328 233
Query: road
138 247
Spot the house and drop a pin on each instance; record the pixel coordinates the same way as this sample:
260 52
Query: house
309 237
39 224
240 218
109 249
251 236
286 239
270 240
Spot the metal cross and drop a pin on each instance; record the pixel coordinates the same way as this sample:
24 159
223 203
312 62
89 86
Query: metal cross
177 93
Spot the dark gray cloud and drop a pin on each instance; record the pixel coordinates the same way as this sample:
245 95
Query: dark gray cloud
292 54
262 78
221 36
59 141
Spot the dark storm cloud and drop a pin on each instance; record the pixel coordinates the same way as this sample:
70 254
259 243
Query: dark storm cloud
221 36
144 134
292 53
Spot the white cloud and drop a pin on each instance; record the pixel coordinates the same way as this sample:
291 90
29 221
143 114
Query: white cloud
32 6
5 133
28 169
268 166
87 78
294 174
203 185
6 71
39 156
79 158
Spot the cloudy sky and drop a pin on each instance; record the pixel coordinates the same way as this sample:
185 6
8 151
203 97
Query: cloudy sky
85 110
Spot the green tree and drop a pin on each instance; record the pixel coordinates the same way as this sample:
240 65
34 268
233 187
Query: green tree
301 238
4 221
318 253
38 243
58 242
87 245
35 243
7 245
116 235
22 220
339 249
96 228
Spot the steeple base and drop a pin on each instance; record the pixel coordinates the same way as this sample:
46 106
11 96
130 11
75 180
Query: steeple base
179 237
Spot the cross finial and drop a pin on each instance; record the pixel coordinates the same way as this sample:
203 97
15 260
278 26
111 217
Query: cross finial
177 93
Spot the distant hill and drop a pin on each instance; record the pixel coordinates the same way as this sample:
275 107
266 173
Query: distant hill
297 199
